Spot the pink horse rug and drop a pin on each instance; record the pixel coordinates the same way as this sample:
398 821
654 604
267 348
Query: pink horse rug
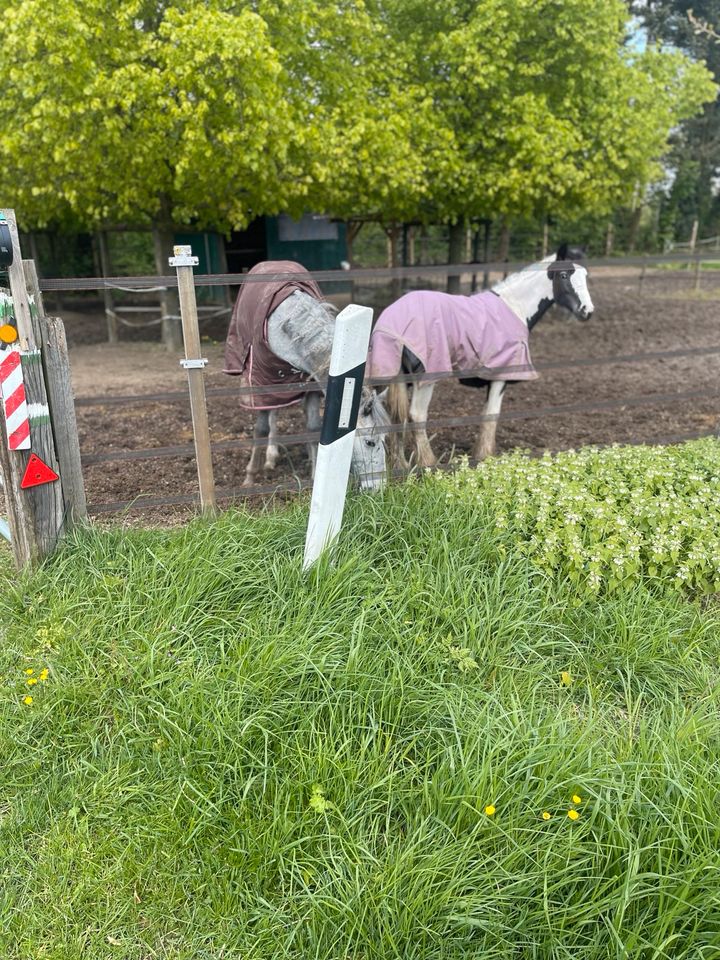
247 353
450 333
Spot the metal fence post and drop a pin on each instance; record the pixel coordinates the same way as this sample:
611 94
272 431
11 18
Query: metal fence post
194 363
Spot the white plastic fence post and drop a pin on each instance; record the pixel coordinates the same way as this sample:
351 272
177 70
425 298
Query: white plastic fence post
342 402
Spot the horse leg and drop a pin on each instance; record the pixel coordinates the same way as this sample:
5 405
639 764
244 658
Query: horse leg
314 423
485 443
273 451
260 431
419 406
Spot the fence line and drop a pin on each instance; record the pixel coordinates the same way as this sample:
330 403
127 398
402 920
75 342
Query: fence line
147 284
289 440
241 493
314 386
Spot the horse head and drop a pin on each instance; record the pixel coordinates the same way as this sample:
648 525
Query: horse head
569 282
368 457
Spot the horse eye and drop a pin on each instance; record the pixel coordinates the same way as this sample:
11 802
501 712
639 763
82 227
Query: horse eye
370 443
563 276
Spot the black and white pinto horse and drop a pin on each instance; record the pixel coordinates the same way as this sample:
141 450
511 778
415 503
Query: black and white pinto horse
558 279
300 331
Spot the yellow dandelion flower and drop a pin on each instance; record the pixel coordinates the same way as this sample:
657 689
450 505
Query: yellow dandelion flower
44 674
576 798
32 681
546 815
28 701
573 814
565 678
29 672
490 810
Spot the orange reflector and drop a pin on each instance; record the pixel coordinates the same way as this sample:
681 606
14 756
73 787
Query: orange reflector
8 333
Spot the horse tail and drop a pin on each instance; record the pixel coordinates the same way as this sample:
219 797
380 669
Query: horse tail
398 407
397 402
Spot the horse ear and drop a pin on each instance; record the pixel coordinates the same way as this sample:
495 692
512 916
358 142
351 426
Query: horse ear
562 253
382 394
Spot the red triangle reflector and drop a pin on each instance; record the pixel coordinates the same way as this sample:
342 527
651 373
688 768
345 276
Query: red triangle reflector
36 473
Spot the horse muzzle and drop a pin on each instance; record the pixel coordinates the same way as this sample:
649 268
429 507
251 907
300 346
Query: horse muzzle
372 483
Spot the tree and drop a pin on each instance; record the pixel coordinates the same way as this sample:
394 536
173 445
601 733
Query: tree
694 161
145 113
517 108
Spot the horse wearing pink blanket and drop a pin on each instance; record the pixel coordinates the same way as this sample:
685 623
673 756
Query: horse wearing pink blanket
485 336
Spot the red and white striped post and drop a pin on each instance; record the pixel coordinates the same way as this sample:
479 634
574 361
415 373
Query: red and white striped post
12 387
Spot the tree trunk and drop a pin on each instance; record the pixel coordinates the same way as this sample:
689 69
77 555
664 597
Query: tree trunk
352 229
101 240
634 228
392 231
163 242
222 257
504 244
609 238
456 249
55 270
486 253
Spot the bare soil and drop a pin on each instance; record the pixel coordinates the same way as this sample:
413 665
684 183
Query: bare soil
666 315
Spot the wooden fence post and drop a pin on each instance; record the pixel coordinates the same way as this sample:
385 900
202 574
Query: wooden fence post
56 364
194 363
698 266
35 513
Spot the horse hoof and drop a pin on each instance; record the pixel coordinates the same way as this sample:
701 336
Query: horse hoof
249 481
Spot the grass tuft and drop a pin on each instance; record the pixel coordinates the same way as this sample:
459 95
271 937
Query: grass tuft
229 759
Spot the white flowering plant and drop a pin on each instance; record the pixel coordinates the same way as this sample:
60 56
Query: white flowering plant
603 517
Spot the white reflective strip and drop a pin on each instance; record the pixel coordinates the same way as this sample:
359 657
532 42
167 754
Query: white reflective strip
328 498
350 342
4 529
346 403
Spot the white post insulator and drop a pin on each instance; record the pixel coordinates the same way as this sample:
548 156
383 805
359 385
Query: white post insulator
342 402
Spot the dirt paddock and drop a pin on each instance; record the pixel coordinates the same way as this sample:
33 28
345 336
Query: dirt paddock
665 316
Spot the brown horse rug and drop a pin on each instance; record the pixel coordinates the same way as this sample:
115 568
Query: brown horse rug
247 353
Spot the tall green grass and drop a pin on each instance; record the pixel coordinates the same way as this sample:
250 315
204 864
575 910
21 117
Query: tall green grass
230 760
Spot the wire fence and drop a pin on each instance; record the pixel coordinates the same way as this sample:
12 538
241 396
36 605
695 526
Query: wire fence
689 265
148 284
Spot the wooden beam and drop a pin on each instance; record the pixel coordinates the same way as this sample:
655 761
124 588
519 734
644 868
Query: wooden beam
36 514
56 365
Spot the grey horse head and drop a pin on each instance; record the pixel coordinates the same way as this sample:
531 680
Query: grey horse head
369 461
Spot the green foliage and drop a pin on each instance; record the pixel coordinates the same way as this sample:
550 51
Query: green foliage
111 115
695 155
533 108
228 758
607 517
395 109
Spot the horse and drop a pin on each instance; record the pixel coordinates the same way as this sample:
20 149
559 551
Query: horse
486 333
281 333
